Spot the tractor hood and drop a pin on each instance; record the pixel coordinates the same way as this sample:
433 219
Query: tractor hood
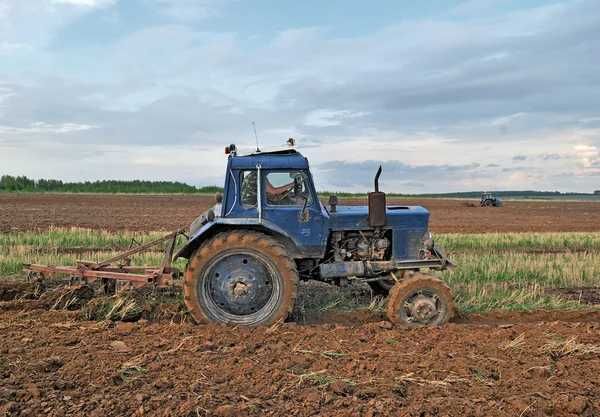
398 217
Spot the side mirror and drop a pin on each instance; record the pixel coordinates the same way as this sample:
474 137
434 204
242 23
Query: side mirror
219 198
333 202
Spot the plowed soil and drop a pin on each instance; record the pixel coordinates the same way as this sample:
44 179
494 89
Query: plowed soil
169 212
53 363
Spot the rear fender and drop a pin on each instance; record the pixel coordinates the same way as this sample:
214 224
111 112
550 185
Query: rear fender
219 225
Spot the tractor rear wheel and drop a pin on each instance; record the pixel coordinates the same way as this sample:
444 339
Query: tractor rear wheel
242 278
420 300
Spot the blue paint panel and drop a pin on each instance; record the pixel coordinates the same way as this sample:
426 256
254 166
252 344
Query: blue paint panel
270 161
409 225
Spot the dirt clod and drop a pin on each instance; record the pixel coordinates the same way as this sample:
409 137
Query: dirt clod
51 364
578 405
342 388
225 410
539 371
385 325
120 346
125 328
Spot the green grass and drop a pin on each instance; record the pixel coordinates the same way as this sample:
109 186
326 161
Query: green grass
512 271
520 242
57 239
65 246
494 271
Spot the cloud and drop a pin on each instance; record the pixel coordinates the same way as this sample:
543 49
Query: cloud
455 94
28 26
358 176
176 163
84 3
190 10
10 47
505 120
45 128
328 117
551 156
588 156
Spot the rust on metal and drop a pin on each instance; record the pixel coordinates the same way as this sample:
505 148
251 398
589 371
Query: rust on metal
117 267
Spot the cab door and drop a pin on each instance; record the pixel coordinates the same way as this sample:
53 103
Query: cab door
290 202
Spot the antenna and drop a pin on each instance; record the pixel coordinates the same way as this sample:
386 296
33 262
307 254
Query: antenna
255 136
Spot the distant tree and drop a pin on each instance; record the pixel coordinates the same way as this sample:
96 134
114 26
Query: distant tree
9 183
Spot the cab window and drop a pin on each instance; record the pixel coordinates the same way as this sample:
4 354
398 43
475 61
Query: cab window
287 188
248 188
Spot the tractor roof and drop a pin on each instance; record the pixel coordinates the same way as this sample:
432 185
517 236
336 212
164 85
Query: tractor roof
279 159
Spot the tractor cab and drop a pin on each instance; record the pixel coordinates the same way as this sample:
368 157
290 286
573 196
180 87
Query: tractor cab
275 190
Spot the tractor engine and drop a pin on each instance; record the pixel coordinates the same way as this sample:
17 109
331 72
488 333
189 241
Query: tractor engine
367 245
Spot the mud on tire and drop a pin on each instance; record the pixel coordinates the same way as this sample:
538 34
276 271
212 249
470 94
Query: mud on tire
242 278
420 300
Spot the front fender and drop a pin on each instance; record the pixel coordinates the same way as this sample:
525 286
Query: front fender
220 224
194 241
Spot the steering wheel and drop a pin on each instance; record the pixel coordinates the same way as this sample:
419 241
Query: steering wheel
297 185
282 195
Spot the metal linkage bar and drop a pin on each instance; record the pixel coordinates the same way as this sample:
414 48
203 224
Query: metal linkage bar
50 270
139 249
162 276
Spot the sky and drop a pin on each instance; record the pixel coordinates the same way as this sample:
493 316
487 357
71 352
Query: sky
448 96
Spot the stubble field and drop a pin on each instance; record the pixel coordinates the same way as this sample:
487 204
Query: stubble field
527 341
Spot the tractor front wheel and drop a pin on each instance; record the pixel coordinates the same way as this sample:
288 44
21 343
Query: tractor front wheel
420 300
241 278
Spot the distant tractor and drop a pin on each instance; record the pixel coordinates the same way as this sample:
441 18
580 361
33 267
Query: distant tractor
269 230
489 199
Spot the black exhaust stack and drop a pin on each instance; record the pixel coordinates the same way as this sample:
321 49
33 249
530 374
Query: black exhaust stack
377 204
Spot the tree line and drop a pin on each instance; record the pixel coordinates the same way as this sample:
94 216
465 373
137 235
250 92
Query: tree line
10 183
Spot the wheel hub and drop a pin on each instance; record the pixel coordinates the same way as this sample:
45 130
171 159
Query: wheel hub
239 289
239 284
423 309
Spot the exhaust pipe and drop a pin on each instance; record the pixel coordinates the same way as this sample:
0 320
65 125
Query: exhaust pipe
377 204
377 179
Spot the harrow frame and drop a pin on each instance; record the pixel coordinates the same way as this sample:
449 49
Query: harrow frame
118 268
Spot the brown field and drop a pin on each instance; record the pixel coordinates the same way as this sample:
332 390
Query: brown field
52 363
59 363
169 212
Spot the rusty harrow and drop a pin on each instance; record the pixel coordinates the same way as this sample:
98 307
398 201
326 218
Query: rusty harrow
118 268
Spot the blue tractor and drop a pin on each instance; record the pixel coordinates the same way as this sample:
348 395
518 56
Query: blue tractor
269 230
489 199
